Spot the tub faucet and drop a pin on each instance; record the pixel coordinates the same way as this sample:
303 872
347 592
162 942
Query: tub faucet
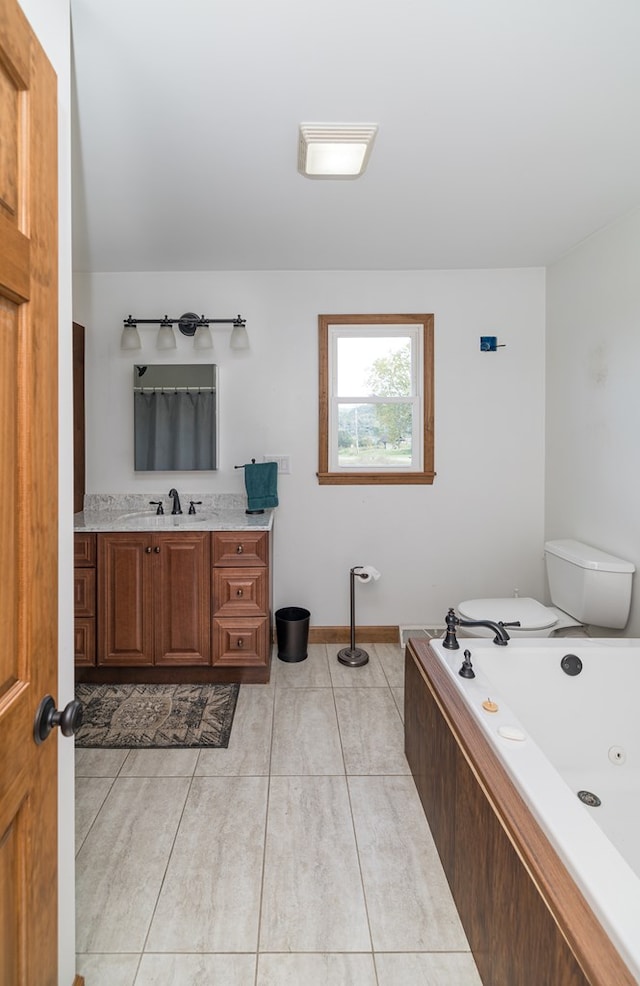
176 509
453 621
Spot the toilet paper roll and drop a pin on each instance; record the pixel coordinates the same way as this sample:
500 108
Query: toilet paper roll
367 572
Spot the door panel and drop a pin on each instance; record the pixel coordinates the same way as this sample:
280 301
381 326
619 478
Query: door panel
9 458
28 491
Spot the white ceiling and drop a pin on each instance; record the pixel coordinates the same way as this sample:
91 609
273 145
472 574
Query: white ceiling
508 131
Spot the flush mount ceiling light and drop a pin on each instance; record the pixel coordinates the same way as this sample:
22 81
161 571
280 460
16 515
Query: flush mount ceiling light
189 324
335 150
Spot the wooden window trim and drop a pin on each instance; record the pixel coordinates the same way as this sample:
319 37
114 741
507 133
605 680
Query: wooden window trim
380 478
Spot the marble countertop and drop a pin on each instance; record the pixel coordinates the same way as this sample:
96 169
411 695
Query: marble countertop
133 512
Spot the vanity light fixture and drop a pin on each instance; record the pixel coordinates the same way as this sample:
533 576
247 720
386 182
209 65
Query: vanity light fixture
189 324
335 150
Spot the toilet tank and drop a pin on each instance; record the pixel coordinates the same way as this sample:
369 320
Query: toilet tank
588 584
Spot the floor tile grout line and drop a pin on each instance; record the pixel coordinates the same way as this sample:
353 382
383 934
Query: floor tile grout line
168 860
266 826
335 708
355 841
95 817
137 972
364 890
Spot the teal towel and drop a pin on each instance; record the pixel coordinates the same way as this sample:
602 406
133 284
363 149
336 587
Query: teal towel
261 484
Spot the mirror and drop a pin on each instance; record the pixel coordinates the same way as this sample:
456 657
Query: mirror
175 410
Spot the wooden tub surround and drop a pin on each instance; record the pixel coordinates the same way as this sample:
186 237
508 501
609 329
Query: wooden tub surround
527 922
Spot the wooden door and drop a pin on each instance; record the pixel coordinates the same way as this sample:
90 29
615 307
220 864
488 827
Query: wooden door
182 598
125 600
29 505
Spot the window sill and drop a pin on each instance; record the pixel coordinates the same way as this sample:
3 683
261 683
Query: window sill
375 478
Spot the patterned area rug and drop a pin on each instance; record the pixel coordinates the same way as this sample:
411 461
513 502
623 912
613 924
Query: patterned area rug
155 716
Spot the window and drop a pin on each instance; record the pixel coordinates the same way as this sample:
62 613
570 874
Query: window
376 399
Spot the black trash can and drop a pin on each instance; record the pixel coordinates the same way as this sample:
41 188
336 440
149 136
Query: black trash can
292 631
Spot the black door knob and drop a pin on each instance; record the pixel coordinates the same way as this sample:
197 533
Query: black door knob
47 716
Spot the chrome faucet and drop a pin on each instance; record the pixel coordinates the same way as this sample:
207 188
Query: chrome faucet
451 641
176 509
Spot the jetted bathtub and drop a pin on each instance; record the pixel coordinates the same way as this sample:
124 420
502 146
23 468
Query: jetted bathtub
547 885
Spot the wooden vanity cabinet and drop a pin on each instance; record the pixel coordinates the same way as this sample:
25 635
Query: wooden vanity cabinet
154 599
84 599
241 630
173 606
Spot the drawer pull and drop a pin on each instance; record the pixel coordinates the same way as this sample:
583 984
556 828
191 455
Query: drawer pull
157 549
239 592
239 549
148 550
240 643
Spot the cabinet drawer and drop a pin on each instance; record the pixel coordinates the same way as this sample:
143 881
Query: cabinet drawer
84 550
84 636
240 592
84 592
236 548
241 643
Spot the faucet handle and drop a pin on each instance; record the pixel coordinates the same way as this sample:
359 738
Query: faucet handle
466 671
450 640
516 623
158 504
193 504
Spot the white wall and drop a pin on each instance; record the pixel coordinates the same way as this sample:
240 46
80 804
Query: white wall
477 531
50 21
593 395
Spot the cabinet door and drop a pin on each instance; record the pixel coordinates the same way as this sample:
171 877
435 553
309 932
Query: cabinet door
182 605
84 603
125 601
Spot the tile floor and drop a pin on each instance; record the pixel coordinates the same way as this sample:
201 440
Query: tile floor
299 855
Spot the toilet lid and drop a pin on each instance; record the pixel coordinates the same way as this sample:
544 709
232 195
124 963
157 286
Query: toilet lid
531 614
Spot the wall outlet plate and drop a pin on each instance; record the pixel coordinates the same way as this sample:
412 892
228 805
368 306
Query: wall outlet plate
284 462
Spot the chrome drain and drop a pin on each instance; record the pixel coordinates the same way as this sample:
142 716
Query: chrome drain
590 799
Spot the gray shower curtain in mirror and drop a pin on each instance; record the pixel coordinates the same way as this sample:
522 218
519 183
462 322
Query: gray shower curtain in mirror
175 430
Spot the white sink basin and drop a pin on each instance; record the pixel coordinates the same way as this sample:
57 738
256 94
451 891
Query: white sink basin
142 520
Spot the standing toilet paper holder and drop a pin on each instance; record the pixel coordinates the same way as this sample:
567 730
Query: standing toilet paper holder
352 656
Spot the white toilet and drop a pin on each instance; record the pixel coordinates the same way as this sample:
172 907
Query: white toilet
587 587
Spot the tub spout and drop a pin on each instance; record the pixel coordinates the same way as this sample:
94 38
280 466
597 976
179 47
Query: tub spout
501 635
451 641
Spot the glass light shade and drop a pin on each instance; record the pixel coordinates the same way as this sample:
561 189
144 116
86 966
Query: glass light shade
130 338
166 339
239 338
202 338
